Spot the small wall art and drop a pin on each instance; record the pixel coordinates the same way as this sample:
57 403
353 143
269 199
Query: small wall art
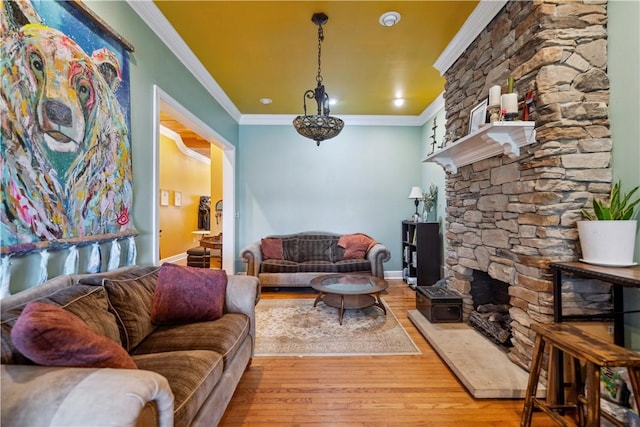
164 197
177 198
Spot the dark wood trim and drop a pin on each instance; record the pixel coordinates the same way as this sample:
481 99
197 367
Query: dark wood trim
78 4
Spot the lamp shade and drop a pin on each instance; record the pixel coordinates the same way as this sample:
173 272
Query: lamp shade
416 193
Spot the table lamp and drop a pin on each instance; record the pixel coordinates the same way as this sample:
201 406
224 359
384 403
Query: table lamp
416 194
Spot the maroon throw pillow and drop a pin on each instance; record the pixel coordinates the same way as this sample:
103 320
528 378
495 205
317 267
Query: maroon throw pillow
188 294
355 245
50 335
272 248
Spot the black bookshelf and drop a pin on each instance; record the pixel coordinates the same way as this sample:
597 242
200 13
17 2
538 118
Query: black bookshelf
421 251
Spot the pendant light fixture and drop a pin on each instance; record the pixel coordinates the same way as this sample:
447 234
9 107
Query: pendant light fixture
320 126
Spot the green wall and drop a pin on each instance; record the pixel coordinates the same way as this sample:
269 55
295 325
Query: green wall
433 173
624 107
357 182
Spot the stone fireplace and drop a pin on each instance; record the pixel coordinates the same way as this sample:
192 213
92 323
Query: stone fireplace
510 217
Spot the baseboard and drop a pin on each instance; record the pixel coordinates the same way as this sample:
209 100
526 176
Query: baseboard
174 258
393 274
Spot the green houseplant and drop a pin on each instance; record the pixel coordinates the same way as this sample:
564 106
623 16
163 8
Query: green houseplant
607 236
619 208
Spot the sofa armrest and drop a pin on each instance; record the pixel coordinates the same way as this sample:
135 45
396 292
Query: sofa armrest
252 256
59 396
378 255
243 293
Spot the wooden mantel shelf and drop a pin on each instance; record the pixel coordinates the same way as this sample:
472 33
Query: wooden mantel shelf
490 140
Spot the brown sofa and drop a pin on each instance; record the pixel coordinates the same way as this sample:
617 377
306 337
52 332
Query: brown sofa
186 374
307 255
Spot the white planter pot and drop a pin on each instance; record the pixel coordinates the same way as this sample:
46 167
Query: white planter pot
609 243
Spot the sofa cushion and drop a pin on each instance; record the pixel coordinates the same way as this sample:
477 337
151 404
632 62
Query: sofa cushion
279 266
314 249
89 303
271 248
49 335
290 248
131 296
353 266
192 375
317 266
355 245
223 336
188 294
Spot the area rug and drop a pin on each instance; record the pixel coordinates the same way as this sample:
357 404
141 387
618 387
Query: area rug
294 327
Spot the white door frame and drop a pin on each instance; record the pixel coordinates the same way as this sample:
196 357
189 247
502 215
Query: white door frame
164 102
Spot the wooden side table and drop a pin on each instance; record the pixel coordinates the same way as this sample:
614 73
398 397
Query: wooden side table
619 277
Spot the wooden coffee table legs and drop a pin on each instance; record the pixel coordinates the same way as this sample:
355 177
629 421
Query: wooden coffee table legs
343 302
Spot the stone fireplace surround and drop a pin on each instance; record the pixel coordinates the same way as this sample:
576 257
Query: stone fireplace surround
511 217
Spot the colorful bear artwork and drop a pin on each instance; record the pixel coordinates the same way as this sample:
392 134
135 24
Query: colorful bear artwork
66 170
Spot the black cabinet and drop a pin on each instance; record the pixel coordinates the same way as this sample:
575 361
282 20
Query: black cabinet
421 253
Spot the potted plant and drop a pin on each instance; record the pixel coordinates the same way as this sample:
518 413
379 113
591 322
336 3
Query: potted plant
607 236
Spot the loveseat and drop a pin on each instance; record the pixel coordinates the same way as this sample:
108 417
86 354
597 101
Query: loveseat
185 370
293 260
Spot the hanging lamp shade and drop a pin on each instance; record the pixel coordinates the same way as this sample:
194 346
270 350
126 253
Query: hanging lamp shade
321 125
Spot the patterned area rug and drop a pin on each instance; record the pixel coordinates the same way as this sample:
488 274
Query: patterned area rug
294 327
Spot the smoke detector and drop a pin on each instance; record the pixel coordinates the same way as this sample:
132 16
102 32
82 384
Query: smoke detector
389 19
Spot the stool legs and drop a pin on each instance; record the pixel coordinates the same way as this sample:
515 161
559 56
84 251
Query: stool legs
532 385
593 395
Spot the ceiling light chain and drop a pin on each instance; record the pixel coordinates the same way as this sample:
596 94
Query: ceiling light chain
320 40
320 126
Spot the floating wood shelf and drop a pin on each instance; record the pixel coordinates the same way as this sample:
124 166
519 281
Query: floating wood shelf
490 140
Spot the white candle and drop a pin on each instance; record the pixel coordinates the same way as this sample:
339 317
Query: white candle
494 95
509 102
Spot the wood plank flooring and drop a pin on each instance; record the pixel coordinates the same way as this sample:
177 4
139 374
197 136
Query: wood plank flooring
414 390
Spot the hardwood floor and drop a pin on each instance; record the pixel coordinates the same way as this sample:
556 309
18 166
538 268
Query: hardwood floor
414 390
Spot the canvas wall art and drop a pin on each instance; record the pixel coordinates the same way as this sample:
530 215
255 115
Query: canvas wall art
66 172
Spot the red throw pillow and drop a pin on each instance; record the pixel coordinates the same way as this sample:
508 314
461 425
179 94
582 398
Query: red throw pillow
272 248
355 245
188 294
50 335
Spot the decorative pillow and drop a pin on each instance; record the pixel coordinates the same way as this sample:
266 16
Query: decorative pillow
188 294
271 248
131 292
356 245
50 335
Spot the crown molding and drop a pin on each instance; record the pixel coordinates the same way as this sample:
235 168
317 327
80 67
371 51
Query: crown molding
183 148
433 109
475 23
152 16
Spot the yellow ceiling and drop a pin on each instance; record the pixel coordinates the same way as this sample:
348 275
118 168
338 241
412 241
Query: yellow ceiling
257 49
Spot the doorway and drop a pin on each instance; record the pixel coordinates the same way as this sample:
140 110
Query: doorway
165 106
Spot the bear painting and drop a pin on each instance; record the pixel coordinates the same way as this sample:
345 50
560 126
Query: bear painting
66 173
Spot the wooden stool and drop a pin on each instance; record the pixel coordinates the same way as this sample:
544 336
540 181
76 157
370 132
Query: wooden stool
595 353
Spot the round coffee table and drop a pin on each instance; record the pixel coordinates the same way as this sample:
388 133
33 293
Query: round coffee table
349 291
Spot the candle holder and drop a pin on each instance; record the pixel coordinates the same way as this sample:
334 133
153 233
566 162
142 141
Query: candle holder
494 113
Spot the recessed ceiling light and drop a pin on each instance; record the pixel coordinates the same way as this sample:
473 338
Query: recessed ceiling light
398 102
389 19
265 101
